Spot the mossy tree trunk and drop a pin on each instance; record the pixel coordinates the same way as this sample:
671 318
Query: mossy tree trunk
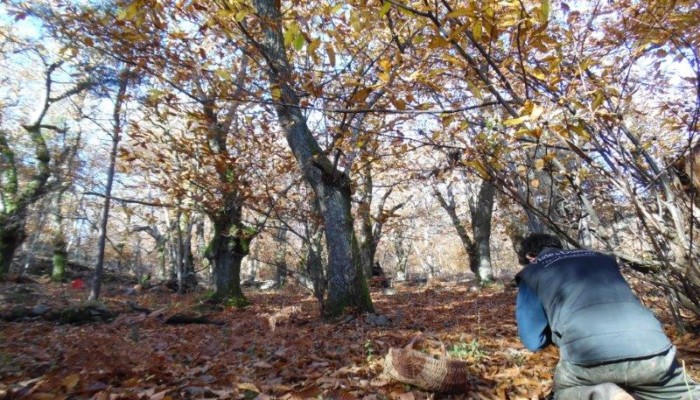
16 198
229 245
347 287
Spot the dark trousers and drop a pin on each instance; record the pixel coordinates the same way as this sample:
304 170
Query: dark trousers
657 377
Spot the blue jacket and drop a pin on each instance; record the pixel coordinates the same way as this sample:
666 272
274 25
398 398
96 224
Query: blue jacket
578 300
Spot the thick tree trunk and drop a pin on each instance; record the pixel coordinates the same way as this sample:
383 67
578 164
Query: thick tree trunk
230 244
347 287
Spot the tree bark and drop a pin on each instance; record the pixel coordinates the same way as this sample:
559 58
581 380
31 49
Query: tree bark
60 252
347 287
280 256
478 246
481 212
12 234
230 244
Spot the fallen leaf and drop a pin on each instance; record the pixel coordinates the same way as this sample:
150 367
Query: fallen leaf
70 382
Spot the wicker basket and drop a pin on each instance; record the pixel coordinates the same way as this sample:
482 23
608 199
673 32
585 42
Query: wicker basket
442 374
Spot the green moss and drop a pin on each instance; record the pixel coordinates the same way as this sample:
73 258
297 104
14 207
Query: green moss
237 302
60 260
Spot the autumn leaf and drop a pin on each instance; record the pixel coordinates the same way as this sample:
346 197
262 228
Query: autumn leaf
516 121
70 382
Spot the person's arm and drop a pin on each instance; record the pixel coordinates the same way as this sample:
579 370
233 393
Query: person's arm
533 326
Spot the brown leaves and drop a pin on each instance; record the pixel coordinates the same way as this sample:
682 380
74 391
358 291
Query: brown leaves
303 358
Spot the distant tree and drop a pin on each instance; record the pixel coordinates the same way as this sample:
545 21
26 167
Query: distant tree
17 191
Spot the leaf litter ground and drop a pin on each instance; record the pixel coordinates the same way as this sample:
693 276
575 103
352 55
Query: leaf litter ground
276 348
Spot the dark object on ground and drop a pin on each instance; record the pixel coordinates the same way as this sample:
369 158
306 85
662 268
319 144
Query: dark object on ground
74 315
379 279
135 307
188 285
182 319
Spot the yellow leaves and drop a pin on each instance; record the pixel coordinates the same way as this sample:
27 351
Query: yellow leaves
223 74
385 64
437 42
538 74
331 54
478 168
544 11
516 121
131 11
539 164
598 100
536 112
476 29
313 46
447 120
246 386
361 95
536 132
70 382
475 90
337 8
399 104
292 34
276 93
242 13
155 94
460 12
385 9
299 42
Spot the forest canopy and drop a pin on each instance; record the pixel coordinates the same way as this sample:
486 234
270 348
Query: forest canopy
204 142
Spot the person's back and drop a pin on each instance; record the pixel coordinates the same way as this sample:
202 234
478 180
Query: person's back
578 300
593 315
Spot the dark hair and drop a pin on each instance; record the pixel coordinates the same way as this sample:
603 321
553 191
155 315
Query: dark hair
536 242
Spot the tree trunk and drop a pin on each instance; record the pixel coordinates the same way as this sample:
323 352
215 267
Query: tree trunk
11 237
478 245
116 137
481 211
314 265
230 244
280 256
60 251
347 286
368 245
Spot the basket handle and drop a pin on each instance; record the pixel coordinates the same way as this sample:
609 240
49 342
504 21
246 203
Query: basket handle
427 337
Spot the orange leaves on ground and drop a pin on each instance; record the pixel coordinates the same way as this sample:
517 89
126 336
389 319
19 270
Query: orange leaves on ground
303 357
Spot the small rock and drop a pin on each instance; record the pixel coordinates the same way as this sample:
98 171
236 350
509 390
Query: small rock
377 320
267 285
40 309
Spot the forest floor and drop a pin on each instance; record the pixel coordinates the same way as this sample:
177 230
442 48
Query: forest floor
278 347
